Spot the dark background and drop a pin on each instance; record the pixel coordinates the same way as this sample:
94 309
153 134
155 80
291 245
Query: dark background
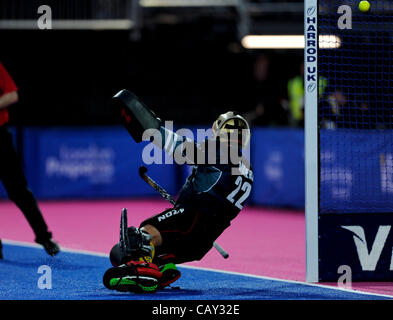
188 72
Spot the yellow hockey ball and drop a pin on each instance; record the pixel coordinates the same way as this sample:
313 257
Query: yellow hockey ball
364 6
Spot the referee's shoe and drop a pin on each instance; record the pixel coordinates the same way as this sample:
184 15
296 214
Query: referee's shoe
50 246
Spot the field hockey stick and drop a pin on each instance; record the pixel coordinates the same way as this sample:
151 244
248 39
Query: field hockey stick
167 196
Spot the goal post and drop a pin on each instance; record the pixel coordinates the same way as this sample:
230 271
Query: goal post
311 137
348 81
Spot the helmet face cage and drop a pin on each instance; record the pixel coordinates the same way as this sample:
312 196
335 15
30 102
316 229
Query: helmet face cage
227 124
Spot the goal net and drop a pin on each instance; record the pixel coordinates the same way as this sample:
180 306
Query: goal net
349 139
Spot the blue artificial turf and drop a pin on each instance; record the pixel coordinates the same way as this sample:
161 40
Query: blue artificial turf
77 276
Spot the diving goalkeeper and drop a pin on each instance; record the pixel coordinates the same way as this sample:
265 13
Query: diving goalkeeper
215 192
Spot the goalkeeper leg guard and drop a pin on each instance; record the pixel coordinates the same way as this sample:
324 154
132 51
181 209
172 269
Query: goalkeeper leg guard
169 275
168 268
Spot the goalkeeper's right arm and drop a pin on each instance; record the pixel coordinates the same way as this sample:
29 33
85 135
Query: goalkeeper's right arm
184 150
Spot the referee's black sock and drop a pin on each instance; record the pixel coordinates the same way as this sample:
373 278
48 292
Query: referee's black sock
25 201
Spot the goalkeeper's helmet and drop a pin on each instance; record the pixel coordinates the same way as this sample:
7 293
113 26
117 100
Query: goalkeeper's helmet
233 128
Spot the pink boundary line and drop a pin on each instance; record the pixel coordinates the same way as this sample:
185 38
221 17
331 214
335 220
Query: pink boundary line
263 242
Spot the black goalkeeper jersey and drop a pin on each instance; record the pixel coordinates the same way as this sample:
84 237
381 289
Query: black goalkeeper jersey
216 188
217 183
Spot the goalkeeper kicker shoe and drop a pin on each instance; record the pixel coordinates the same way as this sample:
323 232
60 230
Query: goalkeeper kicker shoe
133 276
169 275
